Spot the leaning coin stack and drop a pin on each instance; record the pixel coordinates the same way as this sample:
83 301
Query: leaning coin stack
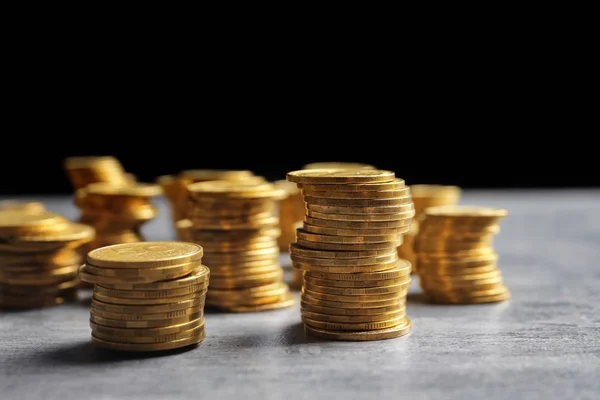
425 196
174 188
85 170
237 225
116 212
147 296
457 261
38 258
354 285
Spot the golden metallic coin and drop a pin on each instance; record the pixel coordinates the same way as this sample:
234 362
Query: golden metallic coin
146 332
465 212
147 274
445 299
251 293
304 235
385 246
150 346
397 218
145 316
359 225
16 223
388 333
151 294
338 194
336 176
224 302
401 270
237 248
235 189
148 302
337 165
200 175
361 210
30 207
346 269
381 299
355 284
224 225
129 190
233 273
242 282
354 319
436 191
240 236
42 290
86 276
145 255
115 323
373 203
288 302
78 233
150 339
458 261
365 326
396 184
348 311
353 305
345 262
466 276
299 251
435 270
365 291
100 305
388 234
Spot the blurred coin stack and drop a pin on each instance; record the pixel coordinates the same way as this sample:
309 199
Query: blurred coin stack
148 296
85 170
457 261
116 212
38 258
28 207
237 225
174 188
425 196
354 285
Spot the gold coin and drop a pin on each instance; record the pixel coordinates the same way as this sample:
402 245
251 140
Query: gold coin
465 277
385 246
148 302
147 339
396 184
254 224
16 223
149 274
368 291
198 276
354 319
235 189
151 294
151 346
296 250
86 276
240 236
401 270
147 317
115 323
31 207
146 332
458 261
338 194
100 305
435 270
304 235
223 302
346 269
388 219
365 326
436 191
337 165
348 311
353 305
367 299
331 283
288 302
467 212
388 234
235 273
76 233
380 334
200 175
145 255
361 210
374 203
251 293
325 176
345 262
437 298
242 282
359 225
130 190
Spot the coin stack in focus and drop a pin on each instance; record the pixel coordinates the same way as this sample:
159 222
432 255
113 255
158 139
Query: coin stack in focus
237 225
354 285
38 258
95 169
425 196
147 296
457 262
337 165
116 212
174 188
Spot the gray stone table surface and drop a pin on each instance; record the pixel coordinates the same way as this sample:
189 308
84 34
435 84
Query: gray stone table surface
543 343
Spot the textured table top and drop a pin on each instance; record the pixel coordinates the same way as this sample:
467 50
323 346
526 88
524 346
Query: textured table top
544 343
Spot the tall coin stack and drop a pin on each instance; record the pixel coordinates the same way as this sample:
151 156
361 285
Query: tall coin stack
354 285
425 196
174 187
237 225
94 169
457 261
116 212
38 258
147 296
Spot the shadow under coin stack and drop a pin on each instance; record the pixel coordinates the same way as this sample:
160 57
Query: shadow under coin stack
354 285
85 170
147 296
425 196
457 262
38 258
237 225
116 212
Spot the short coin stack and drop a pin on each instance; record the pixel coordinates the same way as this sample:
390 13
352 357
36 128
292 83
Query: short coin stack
425 196
85 170
38 258
237 225
116 212
147 296
457 262
355 285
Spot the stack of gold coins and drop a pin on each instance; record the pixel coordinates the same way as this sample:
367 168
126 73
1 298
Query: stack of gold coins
85 170
147 296
425 196
38 258
116 212
457 261
174 188
354 285
29 207
291 211
237 225
337 165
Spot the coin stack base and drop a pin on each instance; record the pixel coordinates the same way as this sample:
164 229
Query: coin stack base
457 262
354 284
147 296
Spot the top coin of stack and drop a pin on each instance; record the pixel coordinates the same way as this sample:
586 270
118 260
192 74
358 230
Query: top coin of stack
38 261
237 225
457 263
28 207
174 188
355 285
337 165
147 296
425 196
85 170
